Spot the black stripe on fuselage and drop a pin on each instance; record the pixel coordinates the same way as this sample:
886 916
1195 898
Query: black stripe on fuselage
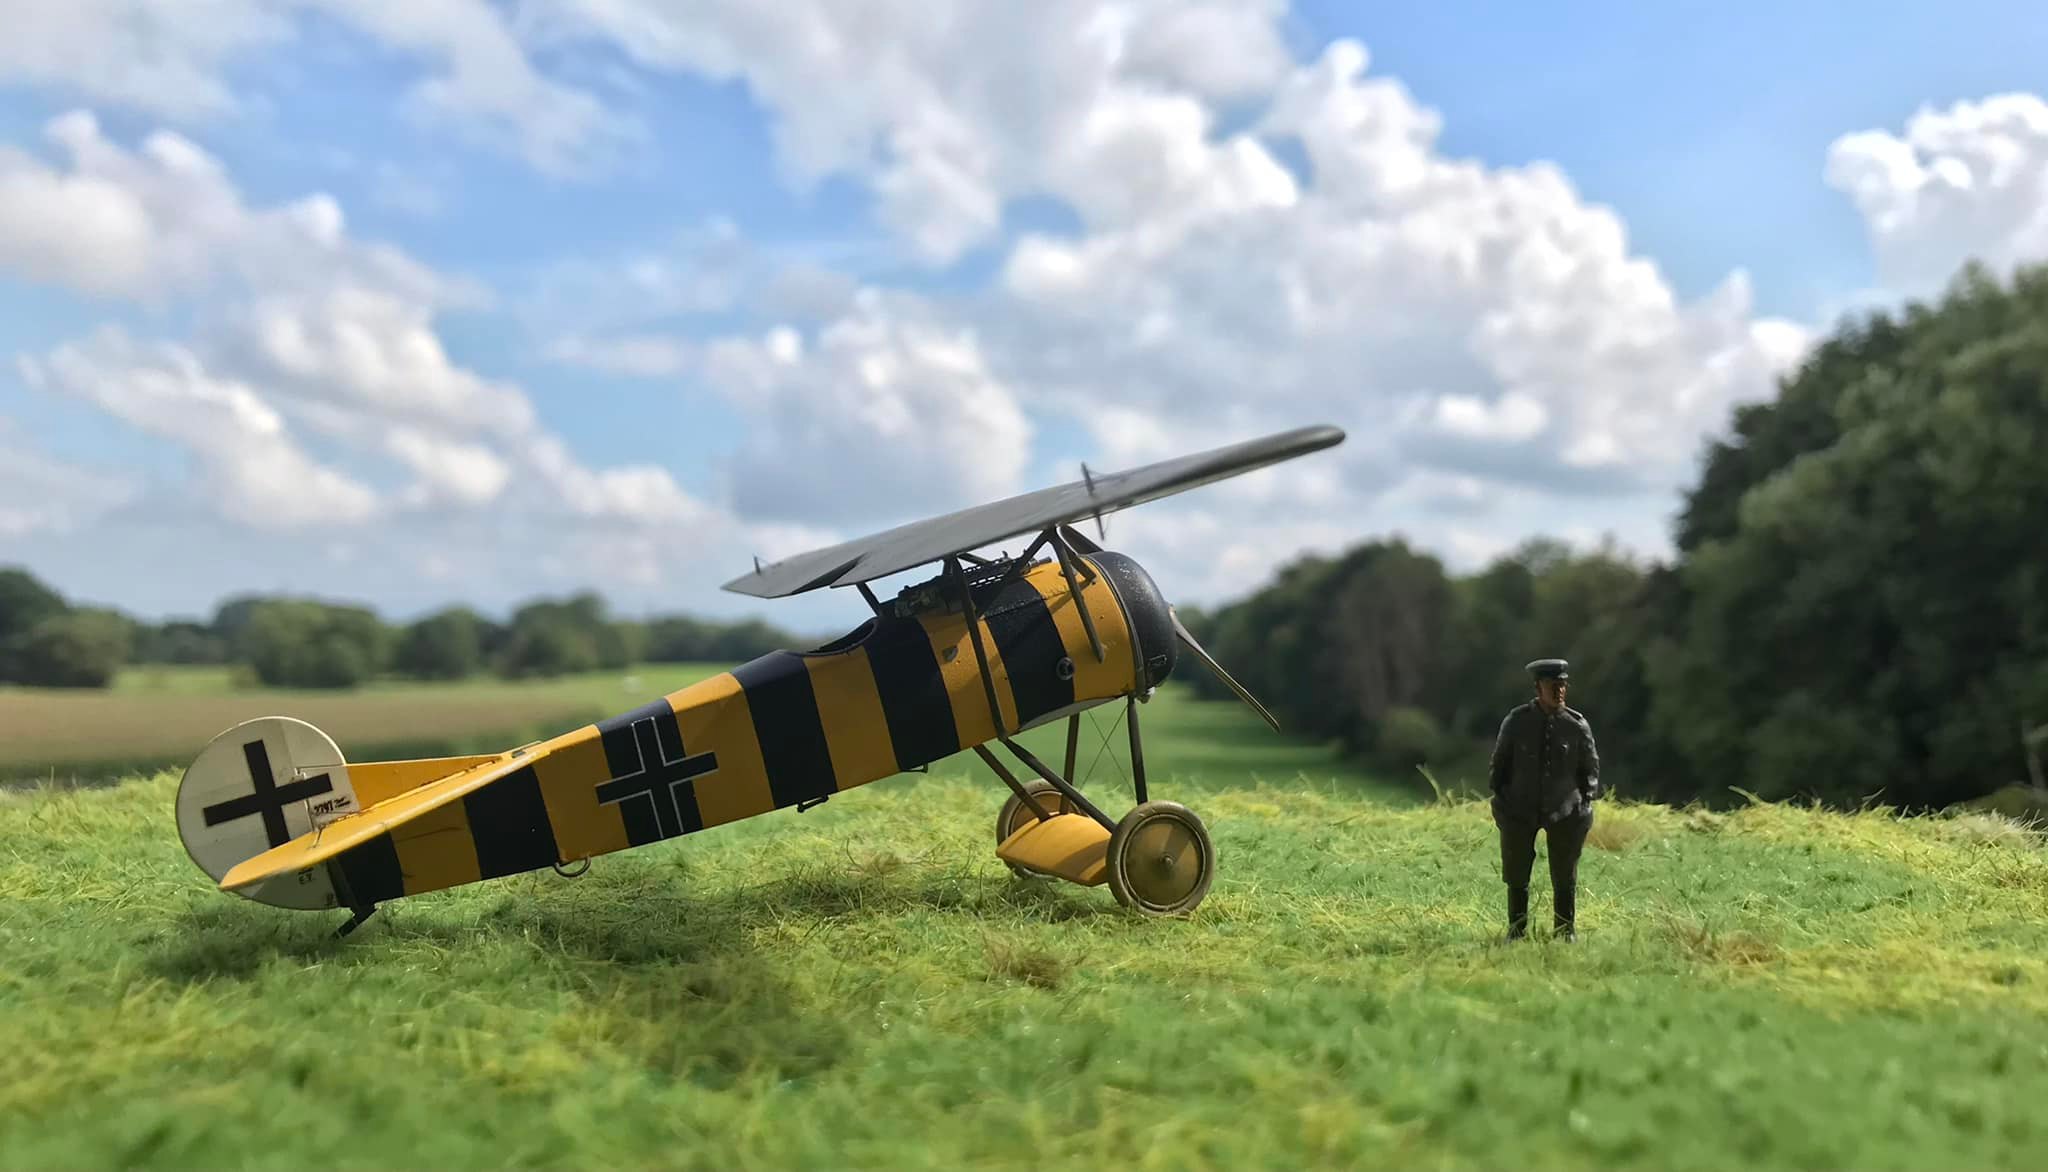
912 688
786 723
635 744
508 820
371 872
1029 642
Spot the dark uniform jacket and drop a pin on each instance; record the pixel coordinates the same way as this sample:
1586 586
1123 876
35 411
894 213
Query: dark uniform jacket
1544 767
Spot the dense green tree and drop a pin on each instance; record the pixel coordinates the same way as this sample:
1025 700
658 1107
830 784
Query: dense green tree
677 639
748 639
72 649
558 636
546 646
1271 643
1765 437
231 621
24 602
1875 625
1485 643
446 645
302 643
1335 643
180 641
1406 737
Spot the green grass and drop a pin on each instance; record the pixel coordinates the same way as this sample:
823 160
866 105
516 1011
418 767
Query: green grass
160 717
864 985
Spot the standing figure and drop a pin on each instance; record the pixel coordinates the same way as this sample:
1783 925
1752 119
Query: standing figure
1545 775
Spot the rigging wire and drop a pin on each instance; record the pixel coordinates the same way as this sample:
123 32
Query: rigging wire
1099 749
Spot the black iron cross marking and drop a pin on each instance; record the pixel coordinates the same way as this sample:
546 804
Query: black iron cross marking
664 768
270 799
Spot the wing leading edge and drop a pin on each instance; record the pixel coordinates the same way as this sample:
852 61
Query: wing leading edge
895 550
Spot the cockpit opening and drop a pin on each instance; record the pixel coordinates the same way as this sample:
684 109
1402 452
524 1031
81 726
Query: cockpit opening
847 641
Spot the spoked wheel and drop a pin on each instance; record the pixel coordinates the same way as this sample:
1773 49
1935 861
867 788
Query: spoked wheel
1015 815
1160 859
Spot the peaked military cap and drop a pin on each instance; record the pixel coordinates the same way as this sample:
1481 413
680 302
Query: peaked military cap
1550 669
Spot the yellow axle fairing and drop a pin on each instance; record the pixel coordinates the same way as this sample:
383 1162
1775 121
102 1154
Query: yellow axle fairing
896 694
1073 846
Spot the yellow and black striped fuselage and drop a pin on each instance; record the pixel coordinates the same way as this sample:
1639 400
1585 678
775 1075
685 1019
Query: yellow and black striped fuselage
897 693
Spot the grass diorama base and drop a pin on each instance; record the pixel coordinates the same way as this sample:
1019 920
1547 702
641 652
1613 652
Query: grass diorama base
866 984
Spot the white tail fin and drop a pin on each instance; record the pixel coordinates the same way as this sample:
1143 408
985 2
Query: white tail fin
258 785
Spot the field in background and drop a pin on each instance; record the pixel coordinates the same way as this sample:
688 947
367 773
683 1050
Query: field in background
158 717
864 985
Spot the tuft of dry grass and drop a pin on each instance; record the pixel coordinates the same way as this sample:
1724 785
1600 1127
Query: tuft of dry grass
1617 829
1983 828
1700 820
1711 946
1037 967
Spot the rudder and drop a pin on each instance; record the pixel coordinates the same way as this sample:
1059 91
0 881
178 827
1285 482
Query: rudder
257 786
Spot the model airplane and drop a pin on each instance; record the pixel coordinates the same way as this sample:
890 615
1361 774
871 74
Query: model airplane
978 653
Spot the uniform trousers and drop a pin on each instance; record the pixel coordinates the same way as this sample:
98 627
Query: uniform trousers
1565 839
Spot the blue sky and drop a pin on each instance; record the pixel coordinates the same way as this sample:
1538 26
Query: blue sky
1707 130
1706 125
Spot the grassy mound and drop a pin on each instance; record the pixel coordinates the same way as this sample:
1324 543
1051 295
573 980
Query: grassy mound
865 985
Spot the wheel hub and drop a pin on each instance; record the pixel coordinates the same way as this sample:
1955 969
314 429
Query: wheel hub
1172 861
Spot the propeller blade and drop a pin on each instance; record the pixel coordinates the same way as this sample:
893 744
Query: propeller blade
1216 667
1090 480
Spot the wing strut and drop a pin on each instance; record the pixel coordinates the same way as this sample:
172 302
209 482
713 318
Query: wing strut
1023 564
988 681
1067 560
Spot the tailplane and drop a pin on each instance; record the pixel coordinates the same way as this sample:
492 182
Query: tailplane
269 801
260 785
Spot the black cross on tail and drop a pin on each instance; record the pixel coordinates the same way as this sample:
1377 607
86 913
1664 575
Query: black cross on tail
657 770
269 799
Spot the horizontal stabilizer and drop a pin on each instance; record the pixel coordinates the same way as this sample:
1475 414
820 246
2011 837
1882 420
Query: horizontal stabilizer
882 554
343 834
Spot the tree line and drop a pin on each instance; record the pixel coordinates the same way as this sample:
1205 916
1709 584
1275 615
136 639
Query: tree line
1857 609
308 643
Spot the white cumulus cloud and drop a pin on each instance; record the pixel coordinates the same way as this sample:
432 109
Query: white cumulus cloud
302 333
883 411
42 494
173 59
1486 321
1962 183
167 59
252 468
950 110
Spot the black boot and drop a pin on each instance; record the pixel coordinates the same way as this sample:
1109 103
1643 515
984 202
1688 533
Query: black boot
1518 912
1563 913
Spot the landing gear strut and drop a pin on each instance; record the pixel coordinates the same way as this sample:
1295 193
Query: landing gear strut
1157 859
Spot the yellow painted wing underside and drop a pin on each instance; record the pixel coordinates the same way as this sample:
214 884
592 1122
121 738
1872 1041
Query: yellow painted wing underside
318 846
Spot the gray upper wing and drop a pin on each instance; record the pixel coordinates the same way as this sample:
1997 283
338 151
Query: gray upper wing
899 549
